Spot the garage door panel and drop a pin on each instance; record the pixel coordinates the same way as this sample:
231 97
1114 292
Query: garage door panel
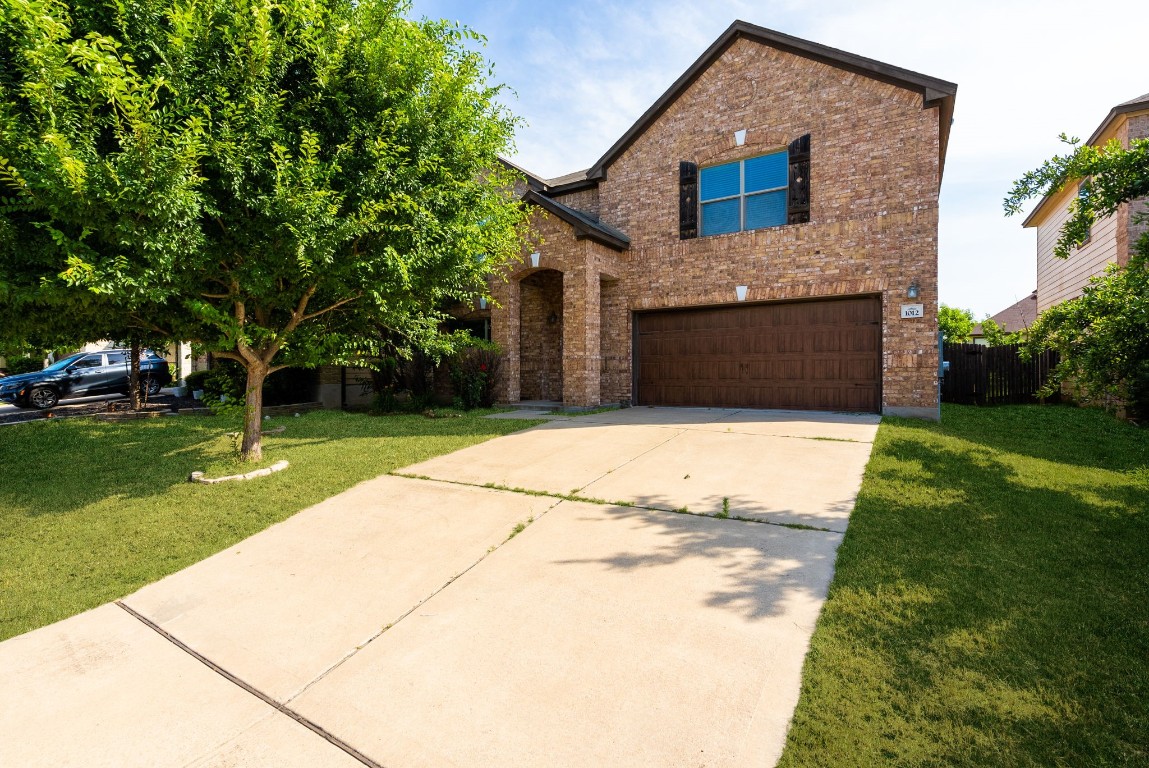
819 355
826 370
828 341
861 370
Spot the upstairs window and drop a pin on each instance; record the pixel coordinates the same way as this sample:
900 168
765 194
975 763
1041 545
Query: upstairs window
1082 200
748 194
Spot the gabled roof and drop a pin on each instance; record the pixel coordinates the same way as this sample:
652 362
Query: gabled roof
1124 108
570 182
935 92
1016 317
584 225
1133 105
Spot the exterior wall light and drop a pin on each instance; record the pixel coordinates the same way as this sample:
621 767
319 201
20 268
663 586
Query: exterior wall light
535 259
914 290
482 303
740 292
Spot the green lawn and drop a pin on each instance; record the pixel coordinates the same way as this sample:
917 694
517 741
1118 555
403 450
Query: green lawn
92 511
991 600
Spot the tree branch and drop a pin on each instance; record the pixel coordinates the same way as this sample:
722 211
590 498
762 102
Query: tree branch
297 317
336 305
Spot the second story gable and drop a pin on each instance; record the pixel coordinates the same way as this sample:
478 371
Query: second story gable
762 127
1110 238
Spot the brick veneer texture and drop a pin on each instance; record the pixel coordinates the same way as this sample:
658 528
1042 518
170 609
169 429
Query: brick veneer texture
873 228
1136 127
540 353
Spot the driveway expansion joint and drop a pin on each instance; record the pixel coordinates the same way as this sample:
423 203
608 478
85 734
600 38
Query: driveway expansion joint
286 710
607 503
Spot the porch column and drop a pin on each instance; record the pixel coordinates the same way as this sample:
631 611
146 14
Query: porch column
582 348
505 333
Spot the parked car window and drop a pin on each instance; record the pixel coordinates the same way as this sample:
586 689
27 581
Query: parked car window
91 361
117 358
60 365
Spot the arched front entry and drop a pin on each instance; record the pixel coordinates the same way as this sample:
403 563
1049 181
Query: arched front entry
541 336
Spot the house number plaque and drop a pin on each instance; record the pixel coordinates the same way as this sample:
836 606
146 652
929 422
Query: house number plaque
913 310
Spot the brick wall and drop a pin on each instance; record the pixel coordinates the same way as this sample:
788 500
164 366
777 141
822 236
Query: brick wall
874 190
585 200
1138 128
614 320
873 229
541 348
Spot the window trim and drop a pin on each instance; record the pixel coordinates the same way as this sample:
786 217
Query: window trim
1083 191
742 196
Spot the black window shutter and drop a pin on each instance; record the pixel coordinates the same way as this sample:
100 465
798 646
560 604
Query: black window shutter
798 199
687 200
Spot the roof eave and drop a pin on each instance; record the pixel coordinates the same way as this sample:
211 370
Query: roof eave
572 186
581 229
934 91
533 181
1122 109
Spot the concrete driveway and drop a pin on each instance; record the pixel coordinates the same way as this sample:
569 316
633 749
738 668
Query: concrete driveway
401 624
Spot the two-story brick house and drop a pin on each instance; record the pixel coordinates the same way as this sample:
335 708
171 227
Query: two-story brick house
1110 238
750 242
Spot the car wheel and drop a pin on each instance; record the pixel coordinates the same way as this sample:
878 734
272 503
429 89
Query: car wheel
43 397
152 387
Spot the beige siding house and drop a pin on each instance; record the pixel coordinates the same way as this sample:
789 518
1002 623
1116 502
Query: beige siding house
1111 238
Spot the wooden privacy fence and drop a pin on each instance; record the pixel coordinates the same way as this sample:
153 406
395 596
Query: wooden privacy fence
980 375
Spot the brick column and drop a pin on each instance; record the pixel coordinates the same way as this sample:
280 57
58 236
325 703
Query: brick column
505 333
582 351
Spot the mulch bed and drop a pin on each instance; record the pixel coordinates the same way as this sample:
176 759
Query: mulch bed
157 404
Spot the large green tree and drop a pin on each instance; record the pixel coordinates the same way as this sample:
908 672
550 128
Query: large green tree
956 324
271 180
1102 336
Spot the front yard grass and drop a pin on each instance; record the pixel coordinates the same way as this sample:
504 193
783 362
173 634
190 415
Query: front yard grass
991 601
92 511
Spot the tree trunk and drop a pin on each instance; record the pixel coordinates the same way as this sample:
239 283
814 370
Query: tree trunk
253 412
134 375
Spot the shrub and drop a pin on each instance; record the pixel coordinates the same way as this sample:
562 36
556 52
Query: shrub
227 377
18 365
1103 336
474 373
194 380
225 380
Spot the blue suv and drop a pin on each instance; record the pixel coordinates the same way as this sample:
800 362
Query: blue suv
86 373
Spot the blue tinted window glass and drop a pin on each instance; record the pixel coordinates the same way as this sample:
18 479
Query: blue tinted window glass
768 172
720 218
766 210
719 181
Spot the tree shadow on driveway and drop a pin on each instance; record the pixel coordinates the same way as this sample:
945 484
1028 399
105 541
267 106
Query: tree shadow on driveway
758 570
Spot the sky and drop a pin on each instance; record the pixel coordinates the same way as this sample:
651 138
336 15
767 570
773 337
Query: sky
581 72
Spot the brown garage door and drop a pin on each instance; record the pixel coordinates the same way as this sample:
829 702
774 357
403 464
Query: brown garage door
815 355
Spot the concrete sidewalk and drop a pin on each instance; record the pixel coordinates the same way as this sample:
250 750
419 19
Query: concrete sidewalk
400 624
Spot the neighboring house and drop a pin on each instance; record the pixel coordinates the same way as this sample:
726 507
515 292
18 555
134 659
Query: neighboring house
1110 238
1017 317
750 242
